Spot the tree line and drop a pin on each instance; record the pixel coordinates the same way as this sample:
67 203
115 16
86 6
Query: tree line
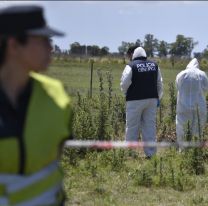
76 49
181 47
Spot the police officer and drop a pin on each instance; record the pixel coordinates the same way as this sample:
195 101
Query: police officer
141 82
35 111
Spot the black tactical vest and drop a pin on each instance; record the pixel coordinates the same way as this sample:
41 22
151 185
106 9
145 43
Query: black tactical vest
144 80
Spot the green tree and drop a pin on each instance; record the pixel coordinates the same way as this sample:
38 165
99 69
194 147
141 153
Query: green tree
104 51
198 55
124 47
183 46
95 50
162 49
75 48
205 53
89 50
56 49
138 43
150 44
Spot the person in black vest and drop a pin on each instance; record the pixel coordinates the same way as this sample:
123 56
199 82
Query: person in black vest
141 82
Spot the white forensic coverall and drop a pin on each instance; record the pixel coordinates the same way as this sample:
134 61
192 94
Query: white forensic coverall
141 114
191 84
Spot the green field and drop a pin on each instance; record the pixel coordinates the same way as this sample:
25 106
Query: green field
125 177
76 76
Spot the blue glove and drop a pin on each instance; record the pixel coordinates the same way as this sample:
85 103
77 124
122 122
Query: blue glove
158 103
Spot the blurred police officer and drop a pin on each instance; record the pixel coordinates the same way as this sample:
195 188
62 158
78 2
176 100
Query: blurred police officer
35 111
141 82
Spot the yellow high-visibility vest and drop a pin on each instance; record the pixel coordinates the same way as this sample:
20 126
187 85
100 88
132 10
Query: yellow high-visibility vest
47 125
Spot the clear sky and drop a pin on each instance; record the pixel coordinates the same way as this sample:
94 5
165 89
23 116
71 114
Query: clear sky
108 23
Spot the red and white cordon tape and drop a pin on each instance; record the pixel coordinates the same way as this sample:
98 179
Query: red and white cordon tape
130 144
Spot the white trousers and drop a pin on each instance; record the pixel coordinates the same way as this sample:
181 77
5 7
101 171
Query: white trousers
182 119
141 117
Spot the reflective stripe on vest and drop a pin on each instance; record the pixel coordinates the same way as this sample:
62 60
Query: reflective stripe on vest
20 189
26 181
47 198
4 201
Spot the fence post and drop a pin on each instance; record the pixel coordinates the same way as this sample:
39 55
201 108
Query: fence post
91 74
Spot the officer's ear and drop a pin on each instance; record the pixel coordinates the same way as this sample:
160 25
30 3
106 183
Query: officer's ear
13 47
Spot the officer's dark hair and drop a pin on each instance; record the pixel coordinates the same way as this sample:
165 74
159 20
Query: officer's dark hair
21 38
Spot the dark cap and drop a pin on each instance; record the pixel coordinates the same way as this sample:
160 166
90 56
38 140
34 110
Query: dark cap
25 19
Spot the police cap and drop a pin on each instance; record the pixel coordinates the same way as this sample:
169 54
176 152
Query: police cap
25 19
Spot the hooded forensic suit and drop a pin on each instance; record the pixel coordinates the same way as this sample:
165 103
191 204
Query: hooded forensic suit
141 82
191 84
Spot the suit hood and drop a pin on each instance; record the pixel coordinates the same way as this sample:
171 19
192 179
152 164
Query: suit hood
193 64
139 52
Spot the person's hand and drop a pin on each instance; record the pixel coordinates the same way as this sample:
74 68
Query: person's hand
158 103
